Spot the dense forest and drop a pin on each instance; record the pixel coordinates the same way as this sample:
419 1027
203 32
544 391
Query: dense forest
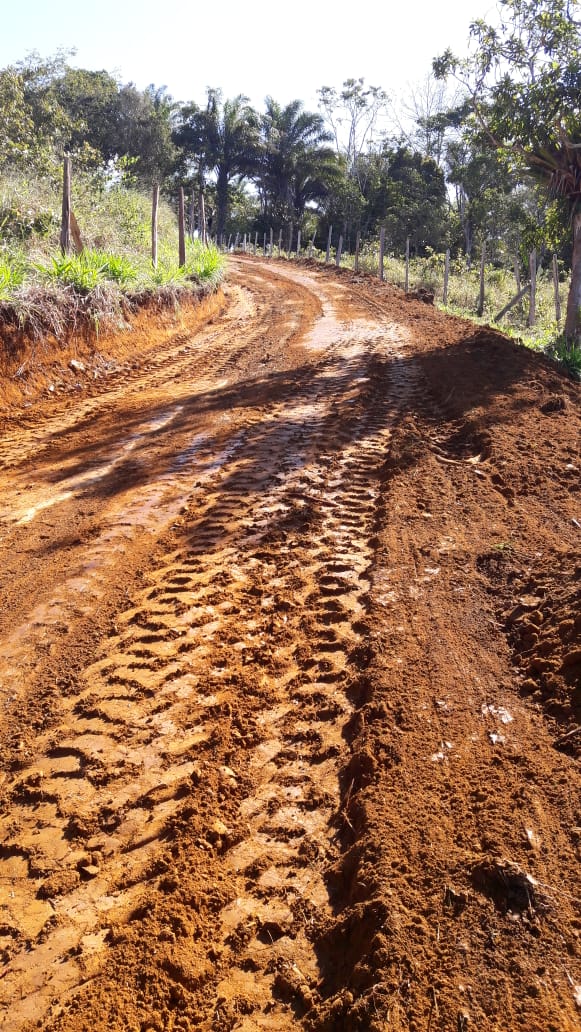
486 149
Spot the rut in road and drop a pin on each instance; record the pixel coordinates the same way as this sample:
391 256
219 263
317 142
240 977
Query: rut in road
264 599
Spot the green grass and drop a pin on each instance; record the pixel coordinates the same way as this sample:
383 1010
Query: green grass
113 220
204 264
11 277
569 355
85 271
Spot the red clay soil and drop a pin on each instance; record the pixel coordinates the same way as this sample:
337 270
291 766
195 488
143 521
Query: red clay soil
290 656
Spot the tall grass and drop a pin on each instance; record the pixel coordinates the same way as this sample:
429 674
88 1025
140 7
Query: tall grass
111 219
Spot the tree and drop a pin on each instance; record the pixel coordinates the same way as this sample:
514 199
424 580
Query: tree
47 107
423 122
353 114
87 101
297 167
523 83
483 190
221 139
406 193
16 126
141 130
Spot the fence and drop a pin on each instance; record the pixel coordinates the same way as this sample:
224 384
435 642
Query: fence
374 258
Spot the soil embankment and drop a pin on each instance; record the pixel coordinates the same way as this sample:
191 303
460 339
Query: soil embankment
290 651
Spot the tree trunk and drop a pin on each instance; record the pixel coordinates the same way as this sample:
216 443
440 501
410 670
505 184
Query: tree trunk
221 201
573 319
181 227
154 215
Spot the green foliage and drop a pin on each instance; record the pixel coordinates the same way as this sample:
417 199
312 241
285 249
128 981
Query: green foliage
85 271
113 219
204 264
523 83
222 138
72 271
19 224
50 292
47 107
412 196
11 277
297 166
16 125
568 354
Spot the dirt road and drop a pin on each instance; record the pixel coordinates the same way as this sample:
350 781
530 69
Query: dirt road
290 647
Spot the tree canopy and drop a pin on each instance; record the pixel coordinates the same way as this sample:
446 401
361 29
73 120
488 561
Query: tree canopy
523 87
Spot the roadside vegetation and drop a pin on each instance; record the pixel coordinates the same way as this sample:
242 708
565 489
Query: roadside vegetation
44 291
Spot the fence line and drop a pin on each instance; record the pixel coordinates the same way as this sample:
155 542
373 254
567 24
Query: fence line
339 254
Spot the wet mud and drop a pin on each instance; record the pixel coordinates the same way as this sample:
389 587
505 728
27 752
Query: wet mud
289 676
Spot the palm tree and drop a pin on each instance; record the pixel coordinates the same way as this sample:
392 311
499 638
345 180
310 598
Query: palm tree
296 165
221 139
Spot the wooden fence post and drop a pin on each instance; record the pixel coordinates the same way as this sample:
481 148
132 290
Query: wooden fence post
264 247
329 237
255 241
192 217
236 241
339 251
181 228
76 234
381 251
533 293
556 289
65 238
312 244
154 212
407 264
290 240
446 277
480 309
299 244
357 246
202 231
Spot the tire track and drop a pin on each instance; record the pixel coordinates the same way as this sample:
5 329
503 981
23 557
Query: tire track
87 818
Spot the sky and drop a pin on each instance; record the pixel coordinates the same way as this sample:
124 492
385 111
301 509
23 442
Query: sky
286 49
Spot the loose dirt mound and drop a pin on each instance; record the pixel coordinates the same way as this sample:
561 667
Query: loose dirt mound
289 678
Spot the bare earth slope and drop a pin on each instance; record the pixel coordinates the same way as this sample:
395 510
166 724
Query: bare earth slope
290 656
